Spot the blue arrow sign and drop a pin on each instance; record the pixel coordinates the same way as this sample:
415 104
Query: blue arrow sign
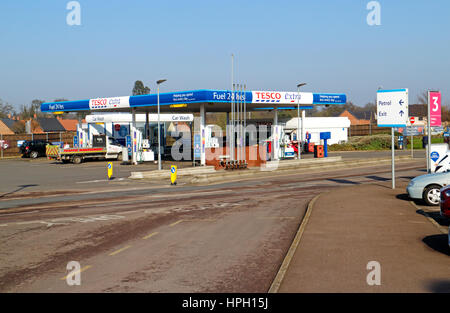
401 101
401 113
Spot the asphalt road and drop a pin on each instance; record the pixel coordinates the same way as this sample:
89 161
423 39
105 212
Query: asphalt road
227 237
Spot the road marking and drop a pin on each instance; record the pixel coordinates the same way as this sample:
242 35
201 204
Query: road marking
151 235
77 272
136 198
99 180
173 224
120 250
20 213
275 217
201 220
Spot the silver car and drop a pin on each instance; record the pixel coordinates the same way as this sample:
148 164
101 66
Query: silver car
427 187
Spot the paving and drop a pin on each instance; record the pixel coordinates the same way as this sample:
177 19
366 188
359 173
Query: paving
351 226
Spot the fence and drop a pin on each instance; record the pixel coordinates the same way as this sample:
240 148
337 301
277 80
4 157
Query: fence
367 129
9 143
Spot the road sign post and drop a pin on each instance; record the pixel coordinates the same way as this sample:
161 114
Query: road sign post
392 111
434 119
411 121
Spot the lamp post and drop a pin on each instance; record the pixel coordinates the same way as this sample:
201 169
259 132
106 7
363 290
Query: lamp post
299 137
159 128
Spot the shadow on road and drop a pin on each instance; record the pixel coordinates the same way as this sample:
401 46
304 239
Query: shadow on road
374 177
443 221
21 187
343 181
439 286
438 243
403 196
408 177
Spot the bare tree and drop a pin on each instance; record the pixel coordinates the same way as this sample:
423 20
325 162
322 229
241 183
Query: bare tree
5 109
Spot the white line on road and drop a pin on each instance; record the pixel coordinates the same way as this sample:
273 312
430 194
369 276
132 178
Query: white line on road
100 180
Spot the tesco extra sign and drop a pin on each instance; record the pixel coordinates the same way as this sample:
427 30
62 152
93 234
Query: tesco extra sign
109 103
267 96
282 97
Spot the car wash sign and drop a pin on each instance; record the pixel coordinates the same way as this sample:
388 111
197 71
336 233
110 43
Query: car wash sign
392 108
109 103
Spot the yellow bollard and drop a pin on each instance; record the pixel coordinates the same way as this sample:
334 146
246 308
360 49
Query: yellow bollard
173 174
110 170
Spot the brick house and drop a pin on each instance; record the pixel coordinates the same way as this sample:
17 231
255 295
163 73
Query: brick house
358 118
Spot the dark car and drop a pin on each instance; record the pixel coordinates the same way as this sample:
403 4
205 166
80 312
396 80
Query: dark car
445 202
33 148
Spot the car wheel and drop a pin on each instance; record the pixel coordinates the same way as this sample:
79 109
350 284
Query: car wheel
432 195
77 159
34 154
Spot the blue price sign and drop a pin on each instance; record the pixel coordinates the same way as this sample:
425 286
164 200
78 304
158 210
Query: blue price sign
128 143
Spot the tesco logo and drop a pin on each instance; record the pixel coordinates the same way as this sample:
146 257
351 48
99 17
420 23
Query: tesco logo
268 95
99 101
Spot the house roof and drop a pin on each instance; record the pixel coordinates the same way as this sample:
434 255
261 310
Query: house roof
69 125
364 115
50 124
419 110
8 122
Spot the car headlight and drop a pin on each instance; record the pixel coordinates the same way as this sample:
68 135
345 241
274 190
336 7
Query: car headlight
447 193
411 183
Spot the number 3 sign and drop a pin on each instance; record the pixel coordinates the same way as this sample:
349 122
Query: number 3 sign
434 101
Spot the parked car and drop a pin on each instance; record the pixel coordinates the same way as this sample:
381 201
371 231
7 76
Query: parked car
445 202
33 148
427 187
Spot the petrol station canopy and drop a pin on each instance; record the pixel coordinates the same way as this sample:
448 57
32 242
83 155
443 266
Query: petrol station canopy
190 101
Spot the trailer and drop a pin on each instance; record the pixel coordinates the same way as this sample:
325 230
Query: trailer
103 147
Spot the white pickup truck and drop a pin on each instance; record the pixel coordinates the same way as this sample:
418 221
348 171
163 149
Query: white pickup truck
103 147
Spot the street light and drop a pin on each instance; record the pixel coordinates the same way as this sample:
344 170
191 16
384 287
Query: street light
159 128
299 137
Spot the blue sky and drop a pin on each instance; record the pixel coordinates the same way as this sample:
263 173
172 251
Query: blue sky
276 44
